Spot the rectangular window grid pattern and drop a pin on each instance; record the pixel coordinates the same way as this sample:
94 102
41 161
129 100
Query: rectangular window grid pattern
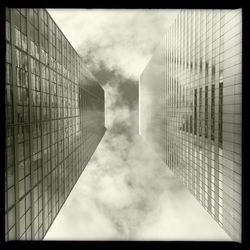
190 109
54 121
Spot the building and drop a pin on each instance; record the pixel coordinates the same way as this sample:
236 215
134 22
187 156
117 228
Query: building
190 109
54 121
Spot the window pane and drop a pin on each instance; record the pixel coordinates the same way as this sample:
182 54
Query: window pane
200 113
21 188
220 114
28 218
12 234
8 53
206 111
22 226
17 20
195 111
27 166
7 13
17 37
23 12
27 183
24 41
23 25
8 73
11 197
212 111
31 15
11 217
27 200
8 95
21 170
21 207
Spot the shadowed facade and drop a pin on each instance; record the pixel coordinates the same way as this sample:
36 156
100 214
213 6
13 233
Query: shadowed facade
190 109
54 121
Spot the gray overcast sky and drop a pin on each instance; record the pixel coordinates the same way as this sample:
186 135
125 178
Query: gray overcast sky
126 192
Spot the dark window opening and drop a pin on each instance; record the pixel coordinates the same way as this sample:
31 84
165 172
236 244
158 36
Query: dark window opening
187 125
206 111
213 71
191 124
195 111
200 113
212 111
220 114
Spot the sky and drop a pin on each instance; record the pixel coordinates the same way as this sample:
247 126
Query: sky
125 192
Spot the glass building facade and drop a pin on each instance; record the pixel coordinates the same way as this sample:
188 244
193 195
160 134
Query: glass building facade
54 121
190 109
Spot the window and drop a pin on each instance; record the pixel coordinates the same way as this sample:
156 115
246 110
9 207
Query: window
11 217
22 207
11 196
23 25
17 37
206 68
21 188
18 58
22 226
24 42
220 114
36 20
206 111
8 73
212 111
8 53
8 95
213 71
27 186
186 125
200 113
195 111
17 20
7 13
7 30
191 124
20 170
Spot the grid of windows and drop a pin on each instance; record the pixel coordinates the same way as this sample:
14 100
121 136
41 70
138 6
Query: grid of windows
195 125
54 121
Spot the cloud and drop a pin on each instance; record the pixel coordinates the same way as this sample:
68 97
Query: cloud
124 40
120 117
125 192
129 191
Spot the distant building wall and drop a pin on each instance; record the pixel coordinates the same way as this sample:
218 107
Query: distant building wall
190 109
54 121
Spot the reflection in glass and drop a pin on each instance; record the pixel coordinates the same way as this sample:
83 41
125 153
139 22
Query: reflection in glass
11 217
170 95
59 97
11 196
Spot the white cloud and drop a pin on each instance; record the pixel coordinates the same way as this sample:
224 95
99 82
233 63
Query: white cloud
128 191
125 192
123 39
